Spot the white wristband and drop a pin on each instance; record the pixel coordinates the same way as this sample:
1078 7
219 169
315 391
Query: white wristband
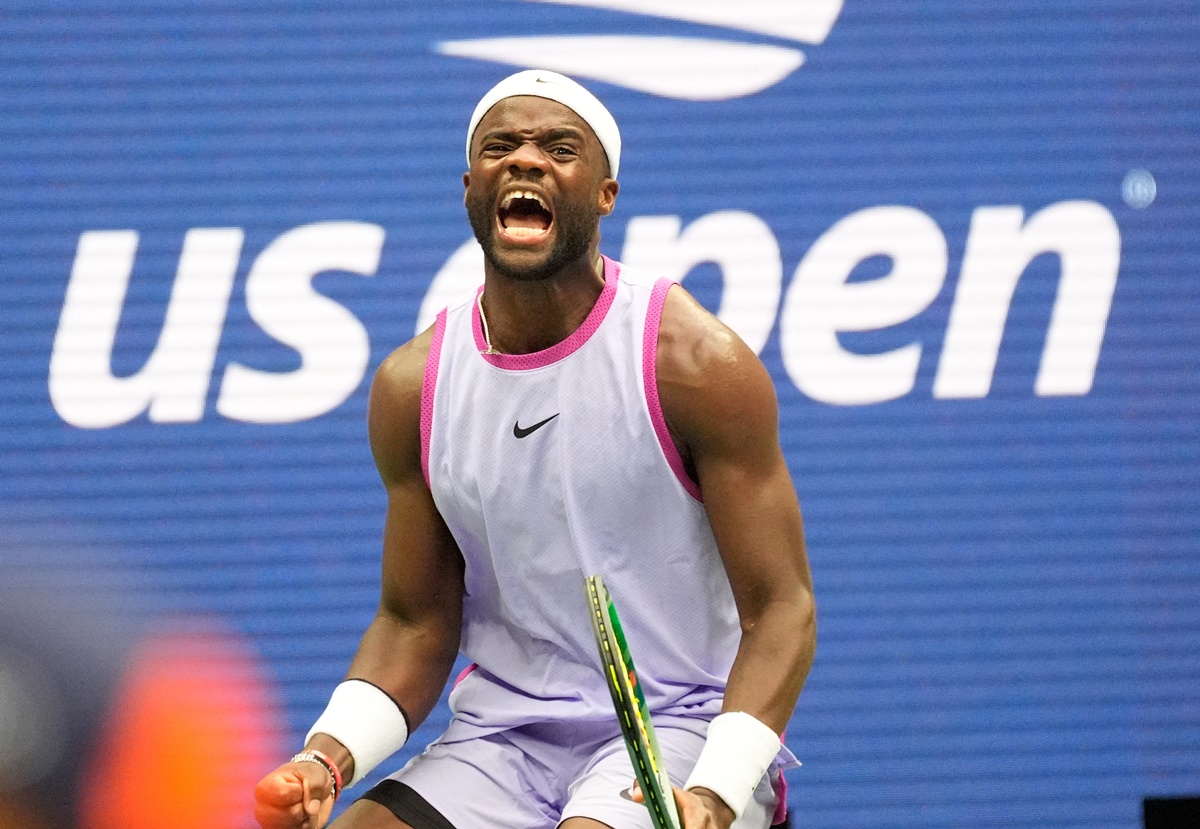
366 721
736 755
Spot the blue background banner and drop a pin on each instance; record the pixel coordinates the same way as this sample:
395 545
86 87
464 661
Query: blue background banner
964 238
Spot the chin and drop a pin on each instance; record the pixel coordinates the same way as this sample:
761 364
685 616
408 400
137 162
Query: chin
523 266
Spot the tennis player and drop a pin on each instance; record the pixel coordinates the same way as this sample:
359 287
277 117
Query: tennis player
574 417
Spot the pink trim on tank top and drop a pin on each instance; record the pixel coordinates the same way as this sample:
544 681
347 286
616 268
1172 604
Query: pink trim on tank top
466 672
658 298
538 359
432 361
779 784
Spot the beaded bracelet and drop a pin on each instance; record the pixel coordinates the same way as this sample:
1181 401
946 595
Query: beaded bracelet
311 755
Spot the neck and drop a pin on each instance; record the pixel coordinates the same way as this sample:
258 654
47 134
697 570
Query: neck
524 317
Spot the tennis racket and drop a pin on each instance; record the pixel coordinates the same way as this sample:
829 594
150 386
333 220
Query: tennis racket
630 703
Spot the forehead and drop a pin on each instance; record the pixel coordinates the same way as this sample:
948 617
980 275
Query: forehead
528 114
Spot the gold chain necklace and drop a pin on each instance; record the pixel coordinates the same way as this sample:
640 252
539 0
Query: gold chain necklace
487 337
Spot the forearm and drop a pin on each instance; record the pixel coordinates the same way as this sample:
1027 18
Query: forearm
409 660
406 661
773 659
772 662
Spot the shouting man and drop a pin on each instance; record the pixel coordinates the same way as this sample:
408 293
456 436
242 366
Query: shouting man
572 418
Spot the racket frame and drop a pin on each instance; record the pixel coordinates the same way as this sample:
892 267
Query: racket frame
632 713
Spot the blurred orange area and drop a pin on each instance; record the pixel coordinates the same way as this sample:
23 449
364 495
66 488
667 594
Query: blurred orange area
194 727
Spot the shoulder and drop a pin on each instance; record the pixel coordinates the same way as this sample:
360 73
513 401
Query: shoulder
710 382
693 344
402 372
394 407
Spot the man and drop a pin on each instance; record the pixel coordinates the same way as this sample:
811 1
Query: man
572 418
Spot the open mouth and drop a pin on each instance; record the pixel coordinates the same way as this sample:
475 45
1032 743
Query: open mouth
524 215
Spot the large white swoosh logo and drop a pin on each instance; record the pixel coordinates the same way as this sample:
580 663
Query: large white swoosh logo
687 68
674 67
808 21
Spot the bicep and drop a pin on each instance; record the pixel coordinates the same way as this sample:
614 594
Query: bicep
409 648
750 500
422 569
720 402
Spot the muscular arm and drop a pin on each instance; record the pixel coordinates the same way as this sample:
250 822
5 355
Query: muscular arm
409 648
720 406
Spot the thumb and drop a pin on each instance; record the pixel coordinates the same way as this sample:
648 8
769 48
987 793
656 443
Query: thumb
310 799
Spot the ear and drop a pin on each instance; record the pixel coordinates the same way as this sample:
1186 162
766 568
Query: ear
466 180
606 199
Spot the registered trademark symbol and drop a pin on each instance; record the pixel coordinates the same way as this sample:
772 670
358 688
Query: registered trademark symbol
1139 189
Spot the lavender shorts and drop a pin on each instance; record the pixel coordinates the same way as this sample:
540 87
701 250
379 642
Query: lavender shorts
537 776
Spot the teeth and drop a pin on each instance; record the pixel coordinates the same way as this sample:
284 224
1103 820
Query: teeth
524 231
523 194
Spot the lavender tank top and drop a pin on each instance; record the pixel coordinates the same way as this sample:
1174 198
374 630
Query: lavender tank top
557 464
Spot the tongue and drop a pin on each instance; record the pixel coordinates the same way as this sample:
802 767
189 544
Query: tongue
526 221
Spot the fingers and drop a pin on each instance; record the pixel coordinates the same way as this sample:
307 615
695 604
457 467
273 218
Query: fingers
292 797
278 801
277 789
699 811
279 818
692 814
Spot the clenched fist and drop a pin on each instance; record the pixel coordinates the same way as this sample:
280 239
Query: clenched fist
294 796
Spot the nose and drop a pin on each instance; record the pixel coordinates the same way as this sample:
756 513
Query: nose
527 157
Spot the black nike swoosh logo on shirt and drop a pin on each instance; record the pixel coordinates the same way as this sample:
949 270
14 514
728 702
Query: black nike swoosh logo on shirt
519 432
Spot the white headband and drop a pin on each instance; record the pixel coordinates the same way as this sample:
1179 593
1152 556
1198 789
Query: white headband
544 84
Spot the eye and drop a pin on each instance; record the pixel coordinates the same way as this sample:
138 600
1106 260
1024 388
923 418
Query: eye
563 151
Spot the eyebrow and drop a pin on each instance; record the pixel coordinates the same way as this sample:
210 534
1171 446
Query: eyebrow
555 134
